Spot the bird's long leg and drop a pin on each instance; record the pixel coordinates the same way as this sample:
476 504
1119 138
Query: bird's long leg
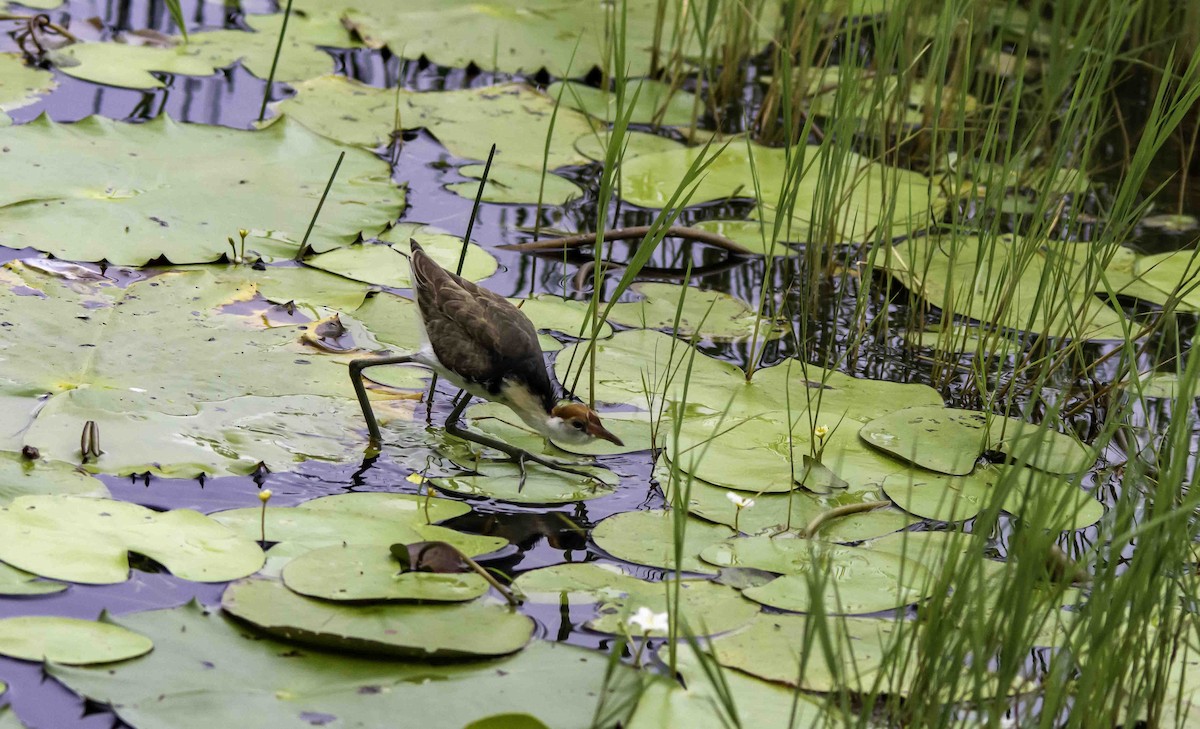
519 455
356 368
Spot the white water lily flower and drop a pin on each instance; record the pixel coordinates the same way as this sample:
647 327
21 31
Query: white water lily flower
821 431
740 502
649 621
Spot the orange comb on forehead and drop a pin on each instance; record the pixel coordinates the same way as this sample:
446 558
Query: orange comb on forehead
575 410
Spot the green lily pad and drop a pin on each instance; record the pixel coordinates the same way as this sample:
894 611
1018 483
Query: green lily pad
706 607
20 85
594 144
1006 281
513 116
21 477
289 687
1168 275
878 103
845 580
710 314
698 704
647 537
513 183
302 56
519 36
656 103
1170 223
542 485
370 572
633 428
330 521
87 540
127 66
69 641
868 653
15 582
950 440
137 192
424 632
566 316
407 508
302 286
756 235
907 205
386 265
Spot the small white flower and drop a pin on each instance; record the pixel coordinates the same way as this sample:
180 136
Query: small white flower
740 502
821 431
649 621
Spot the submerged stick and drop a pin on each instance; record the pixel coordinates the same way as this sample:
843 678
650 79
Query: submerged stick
639 231
839 512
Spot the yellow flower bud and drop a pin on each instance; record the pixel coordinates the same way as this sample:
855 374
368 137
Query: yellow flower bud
264 495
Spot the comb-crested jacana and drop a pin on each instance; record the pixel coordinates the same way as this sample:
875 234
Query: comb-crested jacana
486 346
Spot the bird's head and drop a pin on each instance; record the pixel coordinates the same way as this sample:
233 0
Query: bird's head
577 423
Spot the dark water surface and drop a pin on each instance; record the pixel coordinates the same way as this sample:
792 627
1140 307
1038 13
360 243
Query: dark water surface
541 536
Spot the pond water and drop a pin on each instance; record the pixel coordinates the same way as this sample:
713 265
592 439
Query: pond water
539 536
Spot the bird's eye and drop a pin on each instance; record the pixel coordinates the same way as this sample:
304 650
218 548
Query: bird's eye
578 425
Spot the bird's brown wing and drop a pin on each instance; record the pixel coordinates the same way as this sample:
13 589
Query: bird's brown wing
476 332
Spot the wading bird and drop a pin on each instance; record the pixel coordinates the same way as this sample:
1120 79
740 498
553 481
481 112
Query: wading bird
486 346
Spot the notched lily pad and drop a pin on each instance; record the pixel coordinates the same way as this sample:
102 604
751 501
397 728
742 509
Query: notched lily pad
502 481
648 537
69 641
425 632
387 265
87 540
371 572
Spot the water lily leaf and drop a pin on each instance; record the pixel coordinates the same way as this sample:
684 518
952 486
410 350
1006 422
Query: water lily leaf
770 513
370 572
1170 274
302 56
698 704
756 235
411 631
137 192
408 508
633 428
127 66
386 265
949 440
69 641
301 286
514 183
870 194
20 85
286 687
22 477
656 103
711 314
502 481
86 540
566 316
1006 282
330 521
15 582
594 144
519 36
878 103
773 647
513 116
706 607
648 537
845 580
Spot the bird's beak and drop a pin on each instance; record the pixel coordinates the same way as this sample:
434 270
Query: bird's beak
599 431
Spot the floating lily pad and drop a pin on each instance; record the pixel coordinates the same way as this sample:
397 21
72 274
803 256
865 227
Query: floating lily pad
386 265
648 537
870 194
656 103
412 631
302 56
950 440
566 316
515 117
20 84
710 314
844 580
87 540
253 676
756 235
565 38
594 144
69 641
502 481
868 654
511 183
1173 274
22 477
330 522
407 508
127 66
137 192
699 704
878 104
370 572
707 607
15 582
1006 282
